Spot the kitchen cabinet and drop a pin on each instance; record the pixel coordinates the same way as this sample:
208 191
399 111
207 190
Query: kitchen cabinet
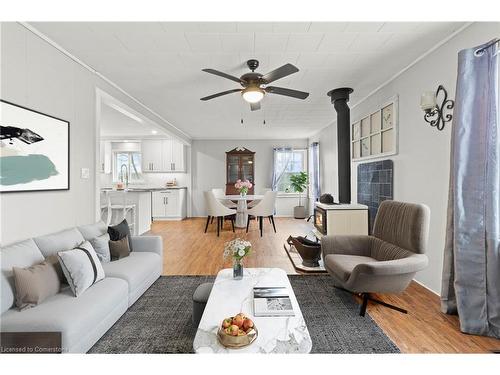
169 204
105 156
151 151
163 155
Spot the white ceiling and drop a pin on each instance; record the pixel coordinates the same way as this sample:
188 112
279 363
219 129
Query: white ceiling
160 64
115 124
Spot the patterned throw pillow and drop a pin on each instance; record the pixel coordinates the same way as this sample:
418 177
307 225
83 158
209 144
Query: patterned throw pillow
82 267
101 247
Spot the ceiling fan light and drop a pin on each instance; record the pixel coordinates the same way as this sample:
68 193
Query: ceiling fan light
253 94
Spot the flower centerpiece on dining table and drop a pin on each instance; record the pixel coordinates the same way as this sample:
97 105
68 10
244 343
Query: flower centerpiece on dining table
243 186
237 249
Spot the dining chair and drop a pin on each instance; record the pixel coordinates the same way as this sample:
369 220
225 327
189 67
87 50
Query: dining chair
256 201
216 209
265 208
219 193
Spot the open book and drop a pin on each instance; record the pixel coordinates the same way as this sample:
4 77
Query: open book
272 301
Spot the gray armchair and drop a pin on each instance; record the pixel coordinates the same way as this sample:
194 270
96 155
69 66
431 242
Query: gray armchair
384 262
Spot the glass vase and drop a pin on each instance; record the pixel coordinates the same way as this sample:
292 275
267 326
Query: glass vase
237 269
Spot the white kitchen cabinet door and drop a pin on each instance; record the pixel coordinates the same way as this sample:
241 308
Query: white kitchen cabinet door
158 204
172 203
178 157
166 149
152 156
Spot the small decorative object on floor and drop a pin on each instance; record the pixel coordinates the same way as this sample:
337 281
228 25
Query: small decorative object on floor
243 187
237 249
237 331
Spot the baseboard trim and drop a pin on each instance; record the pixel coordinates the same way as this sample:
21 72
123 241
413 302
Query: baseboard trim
426 287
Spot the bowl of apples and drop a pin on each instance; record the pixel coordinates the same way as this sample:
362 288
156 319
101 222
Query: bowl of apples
237 331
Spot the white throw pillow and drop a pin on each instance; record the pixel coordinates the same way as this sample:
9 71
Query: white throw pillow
101 247
82 267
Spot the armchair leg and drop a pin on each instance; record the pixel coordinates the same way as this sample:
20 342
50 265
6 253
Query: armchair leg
366 297
362 311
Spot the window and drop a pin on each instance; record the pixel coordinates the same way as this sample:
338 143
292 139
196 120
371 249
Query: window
287 163
132 160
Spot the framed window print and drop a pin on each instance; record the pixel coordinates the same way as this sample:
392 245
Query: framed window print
375 134
34 150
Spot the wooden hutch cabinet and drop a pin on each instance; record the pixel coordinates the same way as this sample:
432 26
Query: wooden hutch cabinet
239 166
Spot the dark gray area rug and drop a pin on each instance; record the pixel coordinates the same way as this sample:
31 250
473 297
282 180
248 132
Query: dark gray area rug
160 320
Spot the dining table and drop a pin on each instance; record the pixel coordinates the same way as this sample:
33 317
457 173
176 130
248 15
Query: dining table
242 206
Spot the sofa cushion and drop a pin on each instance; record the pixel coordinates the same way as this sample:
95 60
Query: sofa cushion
91 231
101 247
120 231
82 267
36 283
76 318
134 269
21 254
51 244
342 265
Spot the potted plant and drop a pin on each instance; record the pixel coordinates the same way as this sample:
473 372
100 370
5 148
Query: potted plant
298 183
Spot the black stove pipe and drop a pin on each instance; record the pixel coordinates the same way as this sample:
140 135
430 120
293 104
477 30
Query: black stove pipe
339 98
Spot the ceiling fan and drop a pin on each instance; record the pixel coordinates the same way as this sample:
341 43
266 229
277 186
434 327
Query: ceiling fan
255 85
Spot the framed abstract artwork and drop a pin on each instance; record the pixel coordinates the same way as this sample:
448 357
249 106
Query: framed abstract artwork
34 150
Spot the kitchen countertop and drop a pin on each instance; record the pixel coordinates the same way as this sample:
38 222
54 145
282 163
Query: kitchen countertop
146 189
341 206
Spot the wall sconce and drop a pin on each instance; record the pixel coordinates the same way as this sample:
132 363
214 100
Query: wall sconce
434 113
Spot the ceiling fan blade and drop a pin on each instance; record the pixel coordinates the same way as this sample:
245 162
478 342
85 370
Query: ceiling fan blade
220 94
222 74
287 92
281 72
255 106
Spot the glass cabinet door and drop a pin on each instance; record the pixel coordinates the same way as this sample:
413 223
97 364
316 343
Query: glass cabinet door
247 168
233 168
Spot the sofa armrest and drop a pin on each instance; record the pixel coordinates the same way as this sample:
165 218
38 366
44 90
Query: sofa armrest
349 245
411 264
152 244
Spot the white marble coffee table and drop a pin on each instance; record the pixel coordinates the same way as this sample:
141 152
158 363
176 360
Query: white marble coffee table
229 297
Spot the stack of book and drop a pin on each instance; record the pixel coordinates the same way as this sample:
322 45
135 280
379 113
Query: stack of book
272 301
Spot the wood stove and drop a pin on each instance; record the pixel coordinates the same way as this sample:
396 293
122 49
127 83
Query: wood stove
320 218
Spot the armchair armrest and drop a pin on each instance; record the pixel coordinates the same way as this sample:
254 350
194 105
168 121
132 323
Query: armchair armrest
152 244
349 245
411 264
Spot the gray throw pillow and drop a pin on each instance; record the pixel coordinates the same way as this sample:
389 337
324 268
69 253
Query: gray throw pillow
82 267
36 283
101 247
119 249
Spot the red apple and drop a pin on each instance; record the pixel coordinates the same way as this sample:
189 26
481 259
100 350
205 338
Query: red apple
238 321
234 329
241 333
227 331
247 324
227 322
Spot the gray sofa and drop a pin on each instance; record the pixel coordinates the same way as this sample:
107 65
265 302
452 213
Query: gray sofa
81 320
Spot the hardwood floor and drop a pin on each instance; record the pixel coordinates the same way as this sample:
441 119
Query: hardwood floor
189 251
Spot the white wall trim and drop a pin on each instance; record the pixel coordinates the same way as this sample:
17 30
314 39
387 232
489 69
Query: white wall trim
100 75
426 287
382 85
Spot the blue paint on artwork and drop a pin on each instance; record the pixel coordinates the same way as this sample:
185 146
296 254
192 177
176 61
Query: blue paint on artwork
25 168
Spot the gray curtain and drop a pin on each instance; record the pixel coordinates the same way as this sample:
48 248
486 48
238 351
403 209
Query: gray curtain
471 273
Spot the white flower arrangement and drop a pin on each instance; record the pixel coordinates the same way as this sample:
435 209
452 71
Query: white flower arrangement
237 249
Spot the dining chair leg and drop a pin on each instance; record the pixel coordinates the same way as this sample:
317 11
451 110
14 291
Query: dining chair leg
272 221
212 221
208 221
260 225
269 217
248 222
232 223
218 226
